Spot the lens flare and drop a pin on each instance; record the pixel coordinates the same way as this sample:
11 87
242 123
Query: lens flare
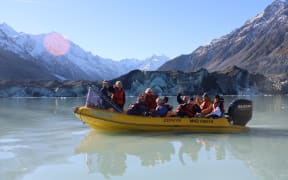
56 44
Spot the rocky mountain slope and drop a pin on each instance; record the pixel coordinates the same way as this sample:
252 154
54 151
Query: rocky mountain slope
260 45
21 69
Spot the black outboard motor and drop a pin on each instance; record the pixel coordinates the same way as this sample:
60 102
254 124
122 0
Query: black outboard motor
240 112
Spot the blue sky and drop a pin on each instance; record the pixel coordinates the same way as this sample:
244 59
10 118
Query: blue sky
120 29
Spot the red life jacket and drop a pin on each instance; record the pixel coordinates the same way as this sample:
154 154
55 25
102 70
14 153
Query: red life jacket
150 101
118 96
187 109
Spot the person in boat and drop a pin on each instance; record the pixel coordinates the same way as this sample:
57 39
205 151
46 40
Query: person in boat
206 105
198 100
180 99
161 109
219 102
150 99
218 107
137 108
189 109
186 106
165 100
118 95
106 92
105 89
182 102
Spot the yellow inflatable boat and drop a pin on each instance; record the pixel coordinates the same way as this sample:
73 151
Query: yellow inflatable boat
235 120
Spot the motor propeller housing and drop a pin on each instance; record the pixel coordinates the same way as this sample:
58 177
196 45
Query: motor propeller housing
240 112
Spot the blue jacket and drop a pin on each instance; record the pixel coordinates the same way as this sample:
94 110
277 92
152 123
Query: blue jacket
161 111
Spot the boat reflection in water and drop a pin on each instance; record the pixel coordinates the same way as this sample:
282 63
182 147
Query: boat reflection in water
260 153
108 153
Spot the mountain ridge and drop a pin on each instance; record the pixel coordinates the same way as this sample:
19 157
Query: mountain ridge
69 61
260 46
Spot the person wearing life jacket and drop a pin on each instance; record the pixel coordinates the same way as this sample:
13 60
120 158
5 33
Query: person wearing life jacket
186 106
206 105
189 109
218 107
150 99
180 99
137 108
118 96
182 103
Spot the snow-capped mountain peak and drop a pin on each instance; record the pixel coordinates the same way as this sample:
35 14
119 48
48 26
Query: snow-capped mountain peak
153 62
259 46
7 30
65 59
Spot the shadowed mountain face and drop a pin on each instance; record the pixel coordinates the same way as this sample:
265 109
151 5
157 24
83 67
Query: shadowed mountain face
260 45
14 68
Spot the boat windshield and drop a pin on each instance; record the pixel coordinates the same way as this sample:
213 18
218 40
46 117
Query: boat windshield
95 99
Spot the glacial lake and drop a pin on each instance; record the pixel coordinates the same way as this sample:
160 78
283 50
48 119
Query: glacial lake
41 139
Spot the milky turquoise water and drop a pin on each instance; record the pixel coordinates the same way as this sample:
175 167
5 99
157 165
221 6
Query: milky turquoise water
41 139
